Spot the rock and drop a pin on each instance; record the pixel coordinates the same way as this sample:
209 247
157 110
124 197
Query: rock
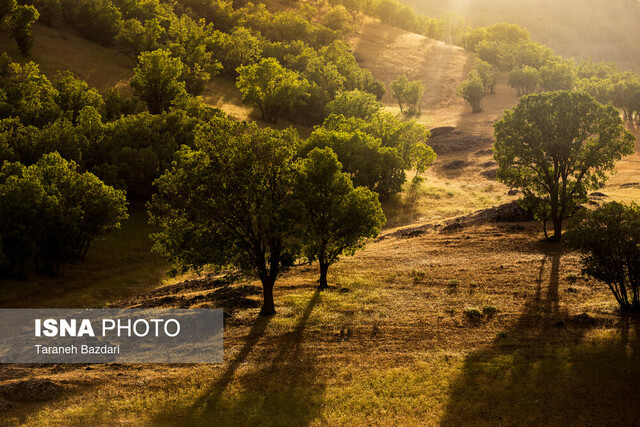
583 319
31 390
597 194
490 173
443 130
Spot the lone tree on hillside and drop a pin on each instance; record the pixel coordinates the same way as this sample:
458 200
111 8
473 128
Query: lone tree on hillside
157 80
556 147
408 93
22 19
271 87
488 74
472 91
609 237
229 202
337 218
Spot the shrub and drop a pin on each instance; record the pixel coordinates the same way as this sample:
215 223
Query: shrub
408 93
609 238
472 91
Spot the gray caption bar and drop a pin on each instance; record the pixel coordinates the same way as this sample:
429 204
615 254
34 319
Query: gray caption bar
111 336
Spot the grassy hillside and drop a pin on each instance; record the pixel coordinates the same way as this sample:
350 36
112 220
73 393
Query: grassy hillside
393 343
603 30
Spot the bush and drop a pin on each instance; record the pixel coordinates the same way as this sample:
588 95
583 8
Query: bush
472 91
354 103
609 238
408 93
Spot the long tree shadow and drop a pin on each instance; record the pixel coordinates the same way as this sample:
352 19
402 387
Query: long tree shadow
543 372
277 387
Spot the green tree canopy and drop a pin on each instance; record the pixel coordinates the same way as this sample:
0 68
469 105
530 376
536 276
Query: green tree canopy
156 80
524 80
50 212
337 218
271 87
354 103
22 19
230 202
408 93
367 162
556 146
472 91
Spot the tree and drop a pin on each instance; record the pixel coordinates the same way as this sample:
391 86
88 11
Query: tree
408 93
609 238
271 87
488 74
241 47
354 103
135 38
338 19
22 19
524 80
472 91
367 162
557 146
337 218
6 8
156 80
557 75
230 202
50 212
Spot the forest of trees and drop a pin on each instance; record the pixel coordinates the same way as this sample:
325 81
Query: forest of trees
72 149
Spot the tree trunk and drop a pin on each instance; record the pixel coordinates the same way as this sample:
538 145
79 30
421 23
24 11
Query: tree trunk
557 229
268 308
324 267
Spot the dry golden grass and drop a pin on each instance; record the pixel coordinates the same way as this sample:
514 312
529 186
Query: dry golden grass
391 344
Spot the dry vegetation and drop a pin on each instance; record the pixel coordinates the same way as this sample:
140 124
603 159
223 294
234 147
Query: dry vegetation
485 325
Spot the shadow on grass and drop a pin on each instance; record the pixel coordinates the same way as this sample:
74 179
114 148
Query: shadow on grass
279 389
543 372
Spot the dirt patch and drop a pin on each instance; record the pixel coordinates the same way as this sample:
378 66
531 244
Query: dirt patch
445 140
508 212
454 165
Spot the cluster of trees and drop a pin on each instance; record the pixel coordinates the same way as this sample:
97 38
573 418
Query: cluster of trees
249 198
66 167
228 193
558 146
21 18
533 68
50 212
297 82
